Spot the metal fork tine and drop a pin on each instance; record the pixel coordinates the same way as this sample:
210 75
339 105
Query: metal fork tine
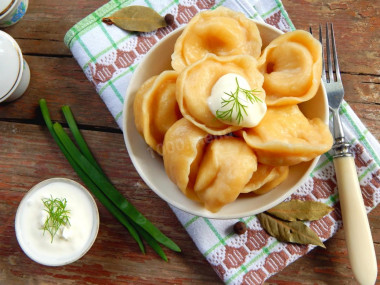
328 55
336 65
323 57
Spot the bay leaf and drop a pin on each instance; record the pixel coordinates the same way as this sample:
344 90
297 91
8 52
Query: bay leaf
137 19
297 210
295 232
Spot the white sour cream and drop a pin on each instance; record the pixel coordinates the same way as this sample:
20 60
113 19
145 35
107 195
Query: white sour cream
255 111
71 241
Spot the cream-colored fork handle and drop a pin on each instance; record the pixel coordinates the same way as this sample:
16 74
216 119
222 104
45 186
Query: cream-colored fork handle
358 236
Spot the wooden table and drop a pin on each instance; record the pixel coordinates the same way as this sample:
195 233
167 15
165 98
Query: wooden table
28 154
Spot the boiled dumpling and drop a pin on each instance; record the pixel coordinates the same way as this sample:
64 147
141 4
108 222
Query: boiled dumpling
222 32
182 151
286 137
156 108
213 159
226 167
265 178
292 67
194 85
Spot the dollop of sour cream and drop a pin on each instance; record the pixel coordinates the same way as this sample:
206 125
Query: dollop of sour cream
252 112
71 240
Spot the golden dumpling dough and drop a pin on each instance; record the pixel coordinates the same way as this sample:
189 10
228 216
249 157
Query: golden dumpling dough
222 32
156 109
265 178
194 85
227 166
292 68
286 137
182 151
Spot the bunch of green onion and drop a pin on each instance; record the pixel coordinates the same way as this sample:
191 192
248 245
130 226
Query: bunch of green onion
85 165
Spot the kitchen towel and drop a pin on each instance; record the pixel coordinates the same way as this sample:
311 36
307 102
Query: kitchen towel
108 57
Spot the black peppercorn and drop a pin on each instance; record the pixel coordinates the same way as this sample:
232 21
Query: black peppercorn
107 21
169 19
240 228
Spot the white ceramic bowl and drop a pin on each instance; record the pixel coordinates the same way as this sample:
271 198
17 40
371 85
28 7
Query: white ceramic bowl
37 244
11 11
150 165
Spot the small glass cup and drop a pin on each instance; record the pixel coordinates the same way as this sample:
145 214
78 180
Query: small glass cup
14 70
11 11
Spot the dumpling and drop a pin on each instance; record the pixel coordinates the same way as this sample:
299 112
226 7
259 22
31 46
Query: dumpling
292 68
156 109
286 137
226 167
222 32
182 151
194 85
265 178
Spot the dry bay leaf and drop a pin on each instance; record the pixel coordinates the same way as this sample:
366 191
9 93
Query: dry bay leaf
136 18
297 210
295 232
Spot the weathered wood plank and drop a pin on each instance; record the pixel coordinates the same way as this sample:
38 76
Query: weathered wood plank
45 24
61 82
356 27
356 24
29 155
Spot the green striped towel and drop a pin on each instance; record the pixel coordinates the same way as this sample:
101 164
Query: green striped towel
108 57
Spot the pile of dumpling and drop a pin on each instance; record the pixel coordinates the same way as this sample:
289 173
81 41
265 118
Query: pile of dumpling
210 160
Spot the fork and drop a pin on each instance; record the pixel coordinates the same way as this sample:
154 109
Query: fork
358 236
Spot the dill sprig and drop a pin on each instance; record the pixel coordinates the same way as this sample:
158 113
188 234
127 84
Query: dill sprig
233 103
58 215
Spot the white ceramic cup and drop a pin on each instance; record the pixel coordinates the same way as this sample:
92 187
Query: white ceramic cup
11 11
14 70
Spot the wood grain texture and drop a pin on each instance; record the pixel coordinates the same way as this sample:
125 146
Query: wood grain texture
356 27
28 154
